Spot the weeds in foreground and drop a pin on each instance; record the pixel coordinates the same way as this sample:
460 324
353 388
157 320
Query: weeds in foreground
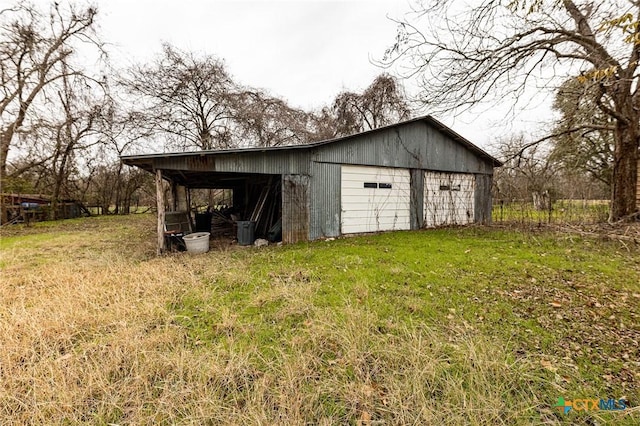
458 326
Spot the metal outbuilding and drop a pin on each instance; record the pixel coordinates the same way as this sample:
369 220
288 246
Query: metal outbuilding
410 175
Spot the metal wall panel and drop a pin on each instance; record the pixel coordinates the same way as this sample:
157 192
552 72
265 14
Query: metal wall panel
483 199
417 198
295 208
415 145
267 162
324 201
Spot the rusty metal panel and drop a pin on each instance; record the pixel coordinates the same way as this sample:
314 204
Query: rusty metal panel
295 208
263 162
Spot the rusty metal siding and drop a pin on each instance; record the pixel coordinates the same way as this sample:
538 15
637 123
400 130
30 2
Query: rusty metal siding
295 208
482 213
275 162
324 201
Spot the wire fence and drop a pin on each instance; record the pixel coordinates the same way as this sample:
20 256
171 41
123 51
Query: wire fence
559 212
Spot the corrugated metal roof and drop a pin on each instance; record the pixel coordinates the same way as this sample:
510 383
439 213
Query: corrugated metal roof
139 160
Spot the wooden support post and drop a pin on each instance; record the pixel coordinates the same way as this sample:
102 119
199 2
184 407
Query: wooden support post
160 209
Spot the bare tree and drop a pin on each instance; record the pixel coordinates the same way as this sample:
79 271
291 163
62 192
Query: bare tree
35 53
76 132
56 144
381 104
187 98
501 48
114 189
529 176
264 120
121 130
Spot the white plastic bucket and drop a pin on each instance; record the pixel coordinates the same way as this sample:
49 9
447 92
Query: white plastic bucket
198 242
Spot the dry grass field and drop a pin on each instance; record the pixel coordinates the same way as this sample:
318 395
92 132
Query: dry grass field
444 327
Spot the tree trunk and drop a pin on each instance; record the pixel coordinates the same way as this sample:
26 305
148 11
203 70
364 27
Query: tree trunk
60 177
5 142
625 170
541 200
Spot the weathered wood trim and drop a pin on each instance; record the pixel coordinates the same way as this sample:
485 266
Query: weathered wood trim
160 209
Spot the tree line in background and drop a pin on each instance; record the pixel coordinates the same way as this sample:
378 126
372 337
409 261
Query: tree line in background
64 125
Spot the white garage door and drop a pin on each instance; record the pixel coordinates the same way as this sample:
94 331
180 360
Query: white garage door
448 198
374 199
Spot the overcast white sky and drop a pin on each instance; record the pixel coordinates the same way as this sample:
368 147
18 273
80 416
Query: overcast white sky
305 51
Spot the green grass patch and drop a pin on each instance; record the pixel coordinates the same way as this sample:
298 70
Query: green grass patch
561 212
567 305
